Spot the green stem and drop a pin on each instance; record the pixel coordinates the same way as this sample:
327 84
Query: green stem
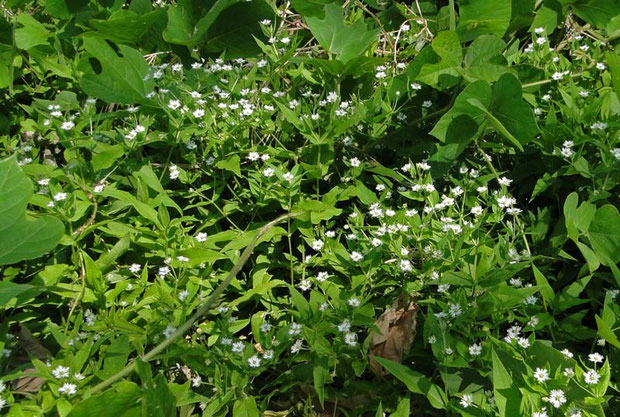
206 306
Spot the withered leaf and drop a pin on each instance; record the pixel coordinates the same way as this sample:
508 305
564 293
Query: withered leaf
29 346
397 326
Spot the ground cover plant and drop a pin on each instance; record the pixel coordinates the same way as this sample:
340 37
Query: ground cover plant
309 208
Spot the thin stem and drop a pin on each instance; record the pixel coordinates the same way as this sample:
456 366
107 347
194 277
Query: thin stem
206 306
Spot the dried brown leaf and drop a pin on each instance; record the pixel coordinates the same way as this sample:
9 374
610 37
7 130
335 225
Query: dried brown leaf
397 326
28 347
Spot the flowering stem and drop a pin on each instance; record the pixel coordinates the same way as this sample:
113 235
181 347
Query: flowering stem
206 306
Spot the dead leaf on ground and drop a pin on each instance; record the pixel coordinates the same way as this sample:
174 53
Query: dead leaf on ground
28 346
397 326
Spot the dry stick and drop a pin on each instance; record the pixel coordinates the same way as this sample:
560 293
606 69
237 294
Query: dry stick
206 306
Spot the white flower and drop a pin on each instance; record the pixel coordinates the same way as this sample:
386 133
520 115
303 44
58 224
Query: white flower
556 398
98 188
198 113
288 176
591 377
584 94
67 389
268 172
596 358
356 256
475 349
567 354
354 162
61 372
541 413
467 401
253 156
415 86
268 354
322 276
78 376
504 181
599 126
431 340
135 268
169 331
183 295
305 285
541 375
568 372
196 381
541 40
265 22
353 302
523 342
350 339
330 233
60 196
174 172
238 347
318 244
405 265
427 104
476 210
174 104
68 125
254 361
600 66
201 237
295 329
539 30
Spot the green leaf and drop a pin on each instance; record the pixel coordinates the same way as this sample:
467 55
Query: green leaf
63 9
235 26
120 401
320 375
545 288
549 16
309 8
479 17
604 234
185 24
115 78
125 26
158 399
484 59
104 156
507 394
22 237
30 32
606 333
336 37
403 409
597 12
512 111
415 382
245 407
613 60
445 72
10 290
231 164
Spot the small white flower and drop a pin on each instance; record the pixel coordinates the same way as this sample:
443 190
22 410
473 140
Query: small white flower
288 176
174 104
183 295
567 353
475 349
427 104
268 172
201 237
350 339
68 389
353 302
356 256
354 162
467 400
556 398
431 340
254 361
415 86
523 342
541 375
238 347
169 331
539 30
196 381
61 372
596 358
163 271
318 244
600 66
68 125
591 377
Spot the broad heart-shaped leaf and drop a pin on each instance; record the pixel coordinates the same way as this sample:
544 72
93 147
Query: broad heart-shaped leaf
484 59
512 111
310 7
126 26
235 26
478 17
188 24
113 78
597 12
445 72
335 36
21 237
120 401
604 234
30 32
